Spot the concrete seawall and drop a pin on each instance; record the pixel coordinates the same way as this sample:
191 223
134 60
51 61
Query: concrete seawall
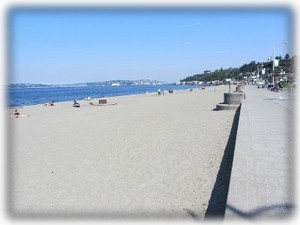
233 98
232 101
262 176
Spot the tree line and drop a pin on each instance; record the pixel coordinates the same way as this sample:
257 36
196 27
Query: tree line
286 64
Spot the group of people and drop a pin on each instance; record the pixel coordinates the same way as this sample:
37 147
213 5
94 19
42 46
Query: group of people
17 114
159 92
49 104
75 104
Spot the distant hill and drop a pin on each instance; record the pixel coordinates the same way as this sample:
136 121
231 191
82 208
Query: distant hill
98 83
286 64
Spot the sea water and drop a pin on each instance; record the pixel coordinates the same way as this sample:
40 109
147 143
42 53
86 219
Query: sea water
23 96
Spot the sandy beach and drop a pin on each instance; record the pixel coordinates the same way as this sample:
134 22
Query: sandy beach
145 156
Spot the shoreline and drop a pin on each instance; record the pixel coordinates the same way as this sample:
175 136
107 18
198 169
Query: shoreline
85 102
147 155
113 99
151 92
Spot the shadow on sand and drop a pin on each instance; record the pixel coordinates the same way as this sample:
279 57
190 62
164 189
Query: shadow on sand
218 199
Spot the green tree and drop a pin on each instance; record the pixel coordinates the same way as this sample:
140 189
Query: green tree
287 64
287 56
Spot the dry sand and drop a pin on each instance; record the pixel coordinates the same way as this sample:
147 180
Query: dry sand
146 156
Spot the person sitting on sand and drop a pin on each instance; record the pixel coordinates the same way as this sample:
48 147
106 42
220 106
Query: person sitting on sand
159 92
16 114
76 104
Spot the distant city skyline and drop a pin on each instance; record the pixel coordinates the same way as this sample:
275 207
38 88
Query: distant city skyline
63 46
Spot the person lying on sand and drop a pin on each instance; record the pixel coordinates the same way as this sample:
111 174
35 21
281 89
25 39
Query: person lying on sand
17 114
49 104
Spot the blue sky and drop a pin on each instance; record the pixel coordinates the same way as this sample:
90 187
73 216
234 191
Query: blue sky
52 46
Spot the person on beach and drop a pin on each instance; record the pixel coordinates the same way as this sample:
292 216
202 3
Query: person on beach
159 92
76 104
16 114
49 104
89 99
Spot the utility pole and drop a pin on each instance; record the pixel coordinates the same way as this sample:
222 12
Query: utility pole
273 68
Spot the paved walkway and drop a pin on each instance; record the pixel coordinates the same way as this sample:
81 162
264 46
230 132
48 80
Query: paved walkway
261 184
